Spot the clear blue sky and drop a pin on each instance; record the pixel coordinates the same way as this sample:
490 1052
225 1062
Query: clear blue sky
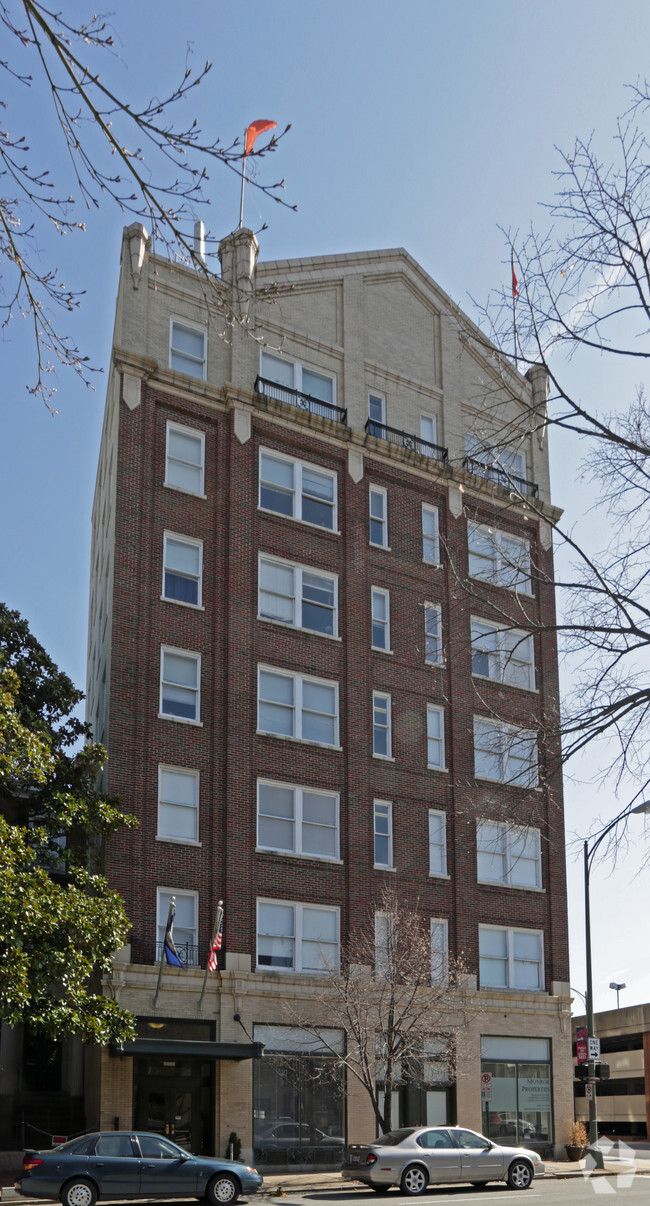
415 123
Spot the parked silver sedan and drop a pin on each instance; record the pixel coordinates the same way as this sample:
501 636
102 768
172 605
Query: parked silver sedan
415 1157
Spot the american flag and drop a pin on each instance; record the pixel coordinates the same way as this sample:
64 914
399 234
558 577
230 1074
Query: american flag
215 945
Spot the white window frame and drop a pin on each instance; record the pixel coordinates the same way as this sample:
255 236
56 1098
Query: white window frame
501 564
433 630
439 927
503 660
198 544
378 492
383 696
297 936
297 706
438 866
196 329
510 960
377 592
503 843
299 367
163 768
437 741
196 657
297 491
195 434
162 914
298 822
429 541
374 394
299 571
428 417
383 808
504 737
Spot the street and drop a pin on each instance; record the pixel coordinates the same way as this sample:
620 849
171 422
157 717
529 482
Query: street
551 1191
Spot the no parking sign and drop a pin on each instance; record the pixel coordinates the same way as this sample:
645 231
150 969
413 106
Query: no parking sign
486 1086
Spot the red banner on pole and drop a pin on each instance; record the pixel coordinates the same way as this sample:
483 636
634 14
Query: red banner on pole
582 1049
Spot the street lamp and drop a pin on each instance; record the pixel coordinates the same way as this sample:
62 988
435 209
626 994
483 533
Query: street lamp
617 988
589 854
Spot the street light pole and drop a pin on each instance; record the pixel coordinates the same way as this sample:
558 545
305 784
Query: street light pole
595 1152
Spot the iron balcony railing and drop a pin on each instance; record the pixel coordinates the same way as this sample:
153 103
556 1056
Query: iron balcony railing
404 439
148 952
293 397
493 473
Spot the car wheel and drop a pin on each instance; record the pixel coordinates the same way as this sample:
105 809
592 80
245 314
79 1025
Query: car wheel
222 1189
79 1193
414 1180
520 1175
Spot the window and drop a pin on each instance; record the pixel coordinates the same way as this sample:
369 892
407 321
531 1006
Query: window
381 725
184 930
506 459
180 678
291 705
510 958
296 937
187 346
178 804
430 535
295 595
508 854
499 558
384 944
437 842
504 753
428 432
383 814
435 736
376 414
380 600
439 950
292 375
432 634
185 459
297 489
503 654
297 820
182 569
378 517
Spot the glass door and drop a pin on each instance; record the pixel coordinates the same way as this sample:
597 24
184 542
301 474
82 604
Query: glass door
174 1099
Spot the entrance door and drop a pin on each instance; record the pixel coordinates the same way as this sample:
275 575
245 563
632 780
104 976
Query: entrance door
174 1098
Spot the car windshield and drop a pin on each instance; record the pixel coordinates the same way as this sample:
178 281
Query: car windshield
395 1137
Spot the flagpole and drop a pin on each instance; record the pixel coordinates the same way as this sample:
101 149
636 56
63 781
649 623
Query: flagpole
217 922
514 304
172 905
243 177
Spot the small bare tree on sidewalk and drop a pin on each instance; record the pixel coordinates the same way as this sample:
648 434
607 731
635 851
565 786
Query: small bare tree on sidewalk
399 998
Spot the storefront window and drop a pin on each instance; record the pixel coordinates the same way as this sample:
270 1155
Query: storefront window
517 1110
298 1099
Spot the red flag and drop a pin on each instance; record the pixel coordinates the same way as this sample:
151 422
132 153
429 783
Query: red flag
215 945
515 282
254 130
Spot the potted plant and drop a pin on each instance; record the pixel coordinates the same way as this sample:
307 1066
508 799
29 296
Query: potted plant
577 1145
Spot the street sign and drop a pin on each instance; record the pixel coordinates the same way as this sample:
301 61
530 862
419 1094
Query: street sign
581 1045
589 1092
486 1086
594 1048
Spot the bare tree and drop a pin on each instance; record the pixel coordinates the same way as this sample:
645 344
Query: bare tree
583 309
107 147
400 1000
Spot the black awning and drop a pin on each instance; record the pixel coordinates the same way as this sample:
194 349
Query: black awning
190 1049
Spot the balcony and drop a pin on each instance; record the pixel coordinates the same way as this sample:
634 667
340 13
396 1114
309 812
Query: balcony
493 473
149 952
404 439
293 397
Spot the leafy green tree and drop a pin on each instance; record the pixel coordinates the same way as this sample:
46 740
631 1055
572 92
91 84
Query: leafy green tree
60 923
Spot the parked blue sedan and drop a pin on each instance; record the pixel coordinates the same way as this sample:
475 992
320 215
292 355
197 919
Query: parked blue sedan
130 1164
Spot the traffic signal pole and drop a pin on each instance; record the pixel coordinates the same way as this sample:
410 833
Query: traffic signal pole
594 1150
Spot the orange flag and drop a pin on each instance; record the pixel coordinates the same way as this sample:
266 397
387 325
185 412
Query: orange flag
254 130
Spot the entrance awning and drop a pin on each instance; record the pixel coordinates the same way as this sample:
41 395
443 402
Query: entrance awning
188 1048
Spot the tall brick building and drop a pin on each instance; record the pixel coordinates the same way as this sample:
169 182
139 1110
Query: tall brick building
314 583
